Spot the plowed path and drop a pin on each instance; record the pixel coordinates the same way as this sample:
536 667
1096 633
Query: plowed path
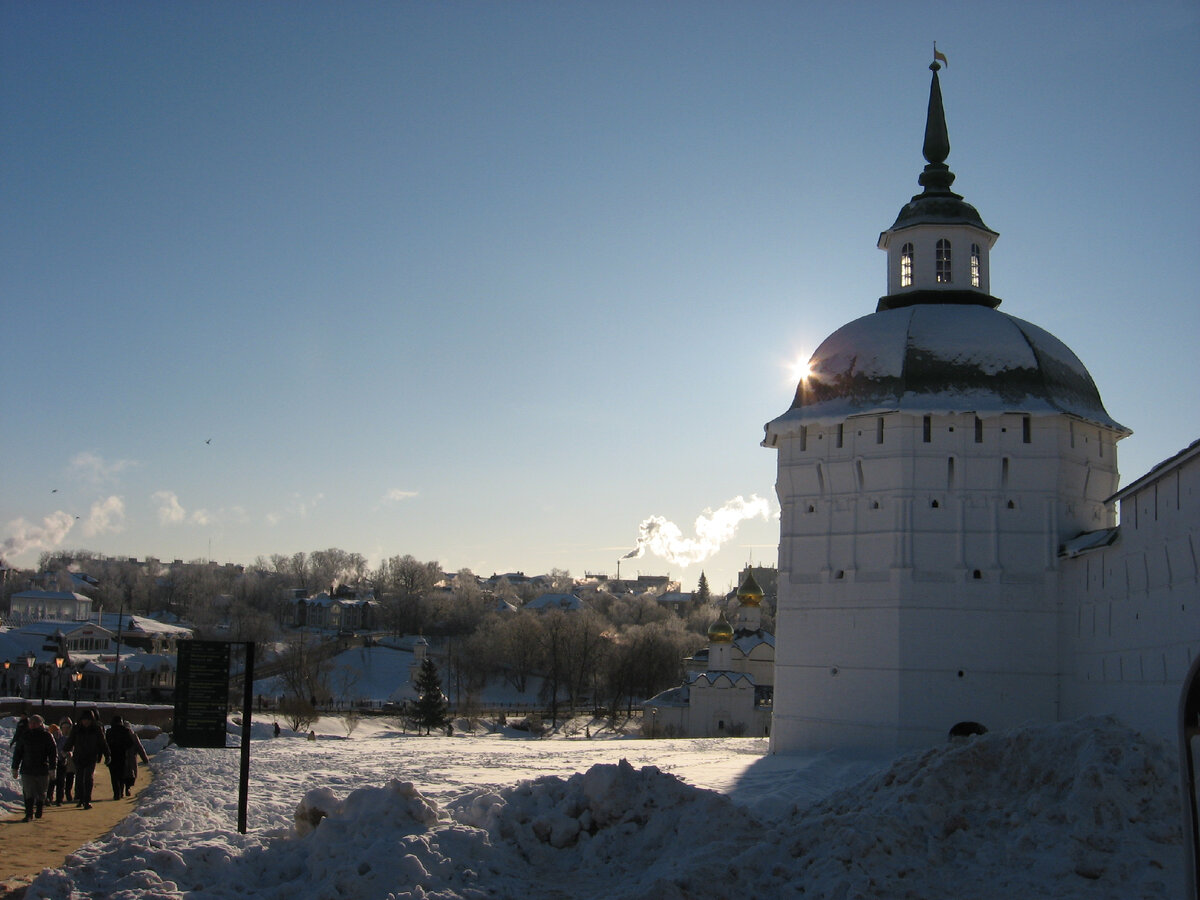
28 847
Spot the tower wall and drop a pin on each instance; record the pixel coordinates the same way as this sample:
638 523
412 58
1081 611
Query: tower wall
918 572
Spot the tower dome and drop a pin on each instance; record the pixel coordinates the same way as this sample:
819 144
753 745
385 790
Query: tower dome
935 358
936 343
750 594
720 632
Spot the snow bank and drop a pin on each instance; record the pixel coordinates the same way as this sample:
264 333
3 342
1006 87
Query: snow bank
1077 809
1081 809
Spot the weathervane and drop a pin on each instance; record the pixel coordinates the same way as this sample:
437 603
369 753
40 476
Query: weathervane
939 57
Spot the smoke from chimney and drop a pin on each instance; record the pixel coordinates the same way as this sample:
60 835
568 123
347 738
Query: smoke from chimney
665 539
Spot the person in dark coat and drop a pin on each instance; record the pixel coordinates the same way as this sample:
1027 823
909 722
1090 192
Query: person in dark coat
124 748
22 727
87 746
64 776
34 758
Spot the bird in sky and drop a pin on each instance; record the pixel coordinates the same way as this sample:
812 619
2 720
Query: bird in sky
209 441
54 490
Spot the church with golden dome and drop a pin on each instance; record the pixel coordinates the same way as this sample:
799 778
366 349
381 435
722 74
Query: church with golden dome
729 687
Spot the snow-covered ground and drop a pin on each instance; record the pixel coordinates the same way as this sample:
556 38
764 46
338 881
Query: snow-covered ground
1080 809
380 673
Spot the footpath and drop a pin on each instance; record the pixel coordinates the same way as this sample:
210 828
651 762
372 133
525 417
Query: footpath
29 847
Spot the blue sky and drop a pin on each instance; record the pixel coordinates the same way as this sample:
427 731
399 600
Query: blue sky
492 283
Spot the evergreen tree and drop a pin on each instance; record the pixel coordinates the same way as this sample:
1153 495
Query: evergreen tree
703 595
431 708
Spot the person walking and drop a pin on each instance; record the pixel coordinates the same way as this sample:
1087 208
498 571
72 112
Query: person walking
33 760
22 727
64 773
124 749
87 746
57 735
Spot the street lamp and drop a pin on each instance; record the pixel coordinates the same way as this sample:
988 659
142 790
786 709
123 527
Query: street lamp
59 661
7 664
76 677
29 661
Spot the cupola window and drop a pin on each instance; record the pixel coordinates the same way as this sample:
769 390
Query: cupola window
943 262
906 263
975 265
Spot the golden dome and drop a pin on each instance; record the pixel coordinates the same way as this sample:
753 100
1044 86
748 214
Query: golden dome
750 594
720 632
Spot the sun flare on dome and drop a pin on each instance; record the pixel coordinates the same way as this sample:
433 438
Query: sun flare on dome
798 369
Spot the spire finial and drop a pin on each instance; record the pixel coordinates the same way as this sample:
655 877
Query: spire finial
937 176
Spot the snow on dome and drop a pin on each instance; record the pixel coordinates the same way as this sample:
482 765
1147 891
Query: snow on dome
942 359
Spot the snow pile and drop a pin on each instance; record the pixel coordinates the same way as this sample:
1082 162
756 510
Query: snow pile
397 804
1081 809
614 819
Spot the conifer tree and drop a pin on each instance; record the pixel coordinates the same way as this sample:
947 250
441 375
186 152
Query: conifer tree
431 707
703 595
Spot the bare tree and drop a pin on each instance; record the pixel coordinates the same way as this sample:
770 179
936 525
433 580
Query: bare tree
298 712
550 636
333 567
516 651
403 582
585 651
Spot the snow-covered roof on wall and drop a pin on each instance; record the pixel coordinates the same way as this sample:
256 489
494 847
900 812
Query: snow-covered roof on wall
1089 540
939 359
1190 451
676 696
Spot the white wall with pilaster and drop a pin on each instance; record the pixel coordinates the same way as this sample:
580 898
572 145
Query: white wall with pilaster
918 572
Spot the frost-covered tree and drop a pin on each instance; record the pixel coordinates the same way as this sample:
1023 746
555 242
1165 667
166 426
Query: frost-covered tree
431 709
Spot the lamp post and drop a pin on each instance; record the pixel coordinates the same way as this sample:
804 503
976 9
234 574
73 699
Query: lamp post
59 661
76 677
29 662
7 665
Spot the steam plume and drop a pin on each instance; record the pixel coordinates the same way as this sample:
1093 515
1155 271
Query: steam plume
24 536
664 539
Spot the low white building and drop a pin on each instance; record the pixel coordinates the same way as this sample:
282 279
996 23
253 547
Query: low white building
57 606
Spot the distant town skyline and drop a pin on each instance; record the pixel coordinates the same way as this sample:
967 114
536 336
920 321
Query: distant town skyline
517 286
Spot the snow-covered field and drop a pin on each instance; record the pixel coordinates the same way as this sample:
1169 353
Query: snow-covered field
1084 809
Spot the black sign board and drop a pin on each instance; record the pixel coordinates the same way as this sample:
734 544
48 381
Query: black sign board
201 694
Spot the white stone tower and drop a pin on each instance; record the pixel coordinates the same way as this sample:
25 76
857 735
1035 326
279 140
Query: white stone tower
934 459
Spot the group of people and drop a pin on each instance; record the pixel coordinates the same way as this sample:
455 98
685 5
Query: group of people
52 761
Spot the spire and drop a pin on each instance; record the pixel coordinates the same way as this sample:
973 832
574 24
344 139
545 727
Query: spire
938 246
937 176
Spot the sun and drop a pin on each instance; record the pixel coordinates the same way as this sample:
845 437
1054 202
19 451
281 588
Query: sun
798 369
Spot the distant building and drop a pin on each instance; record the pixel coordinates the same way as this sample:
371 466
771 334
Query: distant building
547 602
146 654
341 613
729 687
57 606
676 601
